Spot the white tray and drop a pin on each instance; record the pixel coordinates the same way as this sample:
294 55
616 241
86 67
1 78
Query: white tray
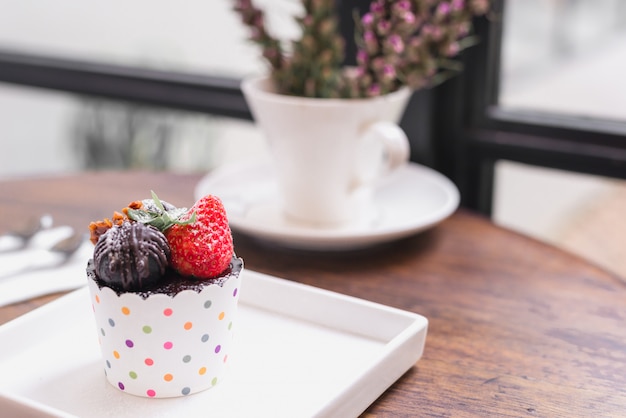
301 351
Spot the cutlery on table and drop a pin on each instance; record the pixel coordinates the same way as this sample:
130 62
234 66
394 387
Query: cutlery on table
57 253
22 233
55 271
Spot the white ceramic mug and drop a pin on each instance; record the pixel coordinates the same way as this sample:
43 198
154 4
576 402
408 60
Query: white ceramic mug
328 153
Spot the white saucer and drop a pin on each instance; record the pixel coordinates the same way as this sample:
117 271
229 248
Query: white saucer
410 200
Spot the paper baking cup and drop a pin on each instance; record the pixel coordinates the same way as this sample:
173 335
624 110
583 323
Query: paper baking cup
164 346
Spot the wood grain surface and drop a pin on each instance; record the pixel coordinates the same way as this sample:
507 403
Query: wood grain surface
517 328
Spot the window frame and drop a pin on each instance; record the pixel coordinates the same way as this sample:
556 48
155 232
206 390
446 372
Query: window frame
472 132
194 92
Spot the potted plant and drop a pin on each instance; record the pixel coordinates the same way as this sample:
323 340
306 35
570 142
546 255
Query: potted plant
400 43
332 129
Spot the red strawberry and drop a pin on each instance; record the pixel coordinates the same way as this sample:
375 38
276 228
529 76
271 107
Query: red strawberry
203 248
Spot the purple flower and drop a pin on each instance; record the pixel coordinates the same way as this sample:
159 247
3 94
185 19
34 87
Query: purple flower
383 27
368 19
453 49
258 21
403 5
362 57
378 64
437 33
409 18
373 90
443 9
389 72
369 36
377 7
371 43
463 29
396 43
458 5
415 42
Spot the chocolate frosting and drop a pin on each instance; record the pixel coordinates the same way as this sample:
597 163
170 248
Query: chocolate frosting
131 256
174 283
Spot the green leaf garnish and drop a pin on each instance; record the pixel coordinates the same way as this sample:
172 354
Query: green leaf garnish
162 220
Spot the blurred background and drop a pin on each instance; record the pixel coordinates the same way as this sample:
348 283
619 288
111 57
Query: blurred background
559 56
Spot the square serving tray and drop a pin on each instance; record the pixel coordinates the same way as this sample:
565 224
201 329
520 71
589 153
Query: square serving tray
301 352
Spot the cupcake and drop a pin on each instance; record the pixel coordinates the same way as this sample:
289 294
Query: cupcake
164 285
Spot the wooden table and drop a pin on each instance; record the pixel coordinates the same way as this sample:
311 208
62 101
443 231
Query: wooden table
517 328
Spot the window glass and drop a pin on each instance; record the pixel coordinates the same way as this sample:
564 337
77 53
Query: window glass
195 35
578 212
565 57
75 133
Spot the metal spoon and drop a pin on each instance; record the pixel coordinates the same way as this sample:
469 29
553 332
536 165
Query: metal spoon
69 245
42 258
21 234
30 227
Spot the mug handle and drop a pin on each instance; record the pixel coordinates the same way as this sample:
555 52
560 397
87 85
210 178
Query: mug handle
383 148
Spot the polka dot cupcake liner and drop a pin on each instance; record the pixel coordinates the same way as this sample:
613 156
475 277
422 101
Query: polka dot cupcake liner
164 346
